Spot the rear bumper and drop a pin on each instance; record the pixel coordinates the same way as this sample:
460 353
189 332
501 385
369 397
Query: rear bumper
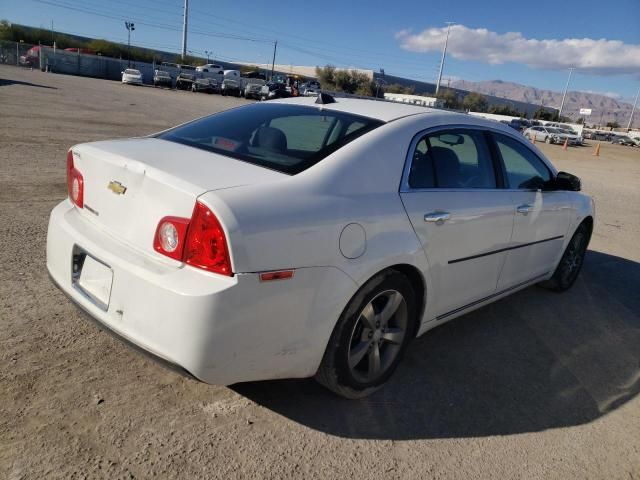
221 330
162 361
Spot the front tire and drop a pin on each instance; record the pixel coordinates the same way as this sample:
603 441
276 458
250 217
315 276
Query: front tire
571 262
370 337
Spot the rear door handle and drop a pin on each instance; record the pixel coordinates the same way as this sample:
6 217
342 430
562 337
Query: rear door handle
437 217
524 209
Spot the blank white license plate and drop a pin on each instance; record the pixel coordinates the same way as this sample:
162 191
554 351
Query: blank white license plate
95 281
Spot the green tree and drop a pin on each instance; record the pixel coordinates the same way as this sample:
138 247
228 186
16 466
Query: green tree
326 77
580 121
397 88
348 81
189 60
449 98
543 114
504 110
249 68
613 125
475 102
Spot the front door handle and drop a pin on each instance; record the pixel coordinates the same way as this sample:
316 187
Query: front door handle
437 217
524 209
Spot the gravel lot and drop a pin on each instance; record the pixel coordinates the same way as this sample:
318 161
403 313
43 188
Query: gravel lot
538 385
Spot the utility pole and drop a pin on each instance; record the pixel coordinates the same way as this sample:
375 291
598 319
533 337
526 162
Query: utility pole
184 29
273 62
130 28
633 109
207 53
444 53
52 39
564 94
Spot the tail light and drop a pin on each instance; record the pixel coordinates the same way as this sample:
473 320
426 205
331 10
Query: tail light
75 182
170 236
199 241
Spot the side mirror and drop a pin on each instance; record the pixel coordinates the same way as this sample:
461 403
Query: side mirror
566 181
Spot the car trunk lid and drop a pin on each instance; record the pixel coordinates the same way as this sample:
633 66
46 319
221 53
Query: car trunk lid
129 185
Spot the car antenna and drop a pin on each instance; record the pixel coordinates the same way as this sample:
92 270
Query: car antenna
324 98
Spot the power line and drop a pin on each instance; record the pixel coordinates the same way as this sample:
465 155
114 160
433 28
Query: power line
357 53
161 24
140 21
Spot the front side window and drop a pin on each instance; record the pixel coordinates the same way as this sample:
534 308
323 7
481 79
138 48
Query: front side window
523 168
452 159
286 138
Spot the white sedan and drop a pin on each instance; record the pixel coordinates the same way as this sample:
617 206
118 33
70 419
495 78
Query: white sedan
132 76
309 237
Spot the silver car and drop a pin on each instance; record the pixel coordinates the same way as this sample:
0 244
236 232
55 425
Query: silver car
551 135
253 88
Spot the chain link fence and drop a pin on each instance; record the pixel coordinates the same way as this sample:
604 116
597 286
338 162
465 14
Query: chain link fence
76 62
71 62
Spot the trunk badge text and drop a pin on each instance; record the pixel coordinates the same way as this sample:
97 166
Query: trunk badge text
117 187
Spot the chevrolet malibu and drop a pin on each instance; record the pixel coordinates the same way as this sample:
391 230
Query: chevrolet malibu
309 237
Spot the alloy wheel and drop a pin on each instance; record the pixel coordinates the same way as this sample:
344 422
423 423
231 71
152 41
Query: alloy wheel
574 256
377 336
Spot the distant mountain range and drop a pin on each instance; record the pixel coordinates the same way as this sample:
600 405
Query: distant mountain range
604 108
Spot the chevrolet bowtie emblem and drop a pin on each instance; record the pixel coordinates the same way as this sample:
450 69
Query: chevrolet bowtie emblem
117 187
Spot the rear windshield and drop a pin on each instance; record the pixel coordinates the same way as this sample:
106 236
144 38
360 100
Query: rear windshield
286 138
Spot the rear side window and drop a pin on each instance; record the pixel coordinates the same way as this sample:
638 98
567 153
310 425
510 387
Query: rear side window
452 159
286 138
523 168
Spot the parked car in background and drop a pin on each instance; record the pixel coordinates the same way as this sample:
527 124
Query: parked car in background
162 78
517 124
84 51
230 87
598 135
273 90
205 85
184 81
550 135
32 56
574 137
624 141
210 68
246 245
309 89
132 76
253 88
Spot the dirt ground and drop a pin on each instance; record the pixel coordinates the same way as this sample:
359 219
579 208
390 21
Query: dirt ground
537 386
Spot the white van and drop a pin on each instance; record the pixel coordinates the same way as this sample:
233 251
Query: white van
232 75
211 68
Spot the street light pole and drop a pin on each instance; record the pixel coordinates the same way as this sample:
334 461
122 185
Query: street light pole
633 109
273 62
207 53
444 53
184 29
130 27
564 94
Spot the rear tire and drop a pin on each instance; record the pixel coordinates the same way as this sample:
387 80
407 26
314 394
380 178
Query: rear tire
370 337
571 262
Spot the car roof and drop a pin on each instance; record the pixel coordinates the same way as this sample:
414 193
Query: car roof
380 110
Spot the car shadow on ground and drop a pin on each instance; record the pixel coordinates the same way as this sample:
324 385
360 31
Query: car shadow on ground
530 362
5 82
